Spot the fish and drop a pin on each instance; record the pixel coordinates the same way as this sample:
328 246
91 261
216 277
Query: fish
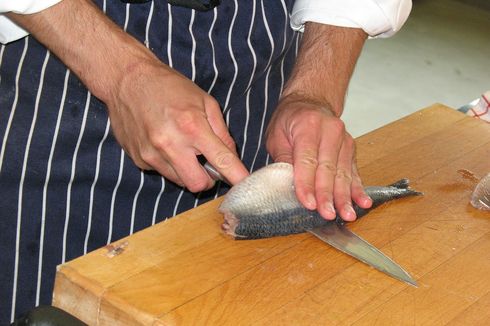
265 205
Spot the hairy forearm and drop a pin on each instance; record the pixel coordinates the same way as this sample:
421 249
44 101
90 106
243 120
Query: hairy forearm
325 63
99 52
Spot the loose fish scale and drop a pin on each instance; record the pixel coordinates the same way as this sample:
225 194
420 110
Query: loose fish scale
265 205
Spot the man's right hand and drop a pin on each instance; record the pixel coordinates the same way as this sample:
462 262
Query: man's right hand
163 120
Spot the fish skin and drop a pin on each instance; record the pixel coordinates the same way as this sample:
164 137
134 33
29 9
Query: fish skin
264 204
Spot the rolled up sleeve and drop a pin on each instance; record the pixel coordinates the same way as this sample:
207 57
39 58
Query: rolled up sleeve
9 30
378 18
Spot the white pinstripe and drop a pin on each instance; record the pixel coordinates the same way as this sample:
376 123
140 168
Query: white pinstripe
266 100
72 176
147 43
215 12
23 177
266 91
2 49
269 34
178 202
196 202
249 43
252 75
14 105
92 187
121 162
135 202
193 51
45 187
282 61
169 36
113 198
193 78
235 65
126 20
148 22
247 120
157 201
215 68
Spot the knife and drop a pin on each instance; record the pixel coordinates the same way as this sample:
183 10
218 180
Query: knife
340 237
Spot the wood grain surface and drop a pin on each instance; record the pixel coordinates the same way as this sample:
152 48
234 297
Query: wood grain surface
184 271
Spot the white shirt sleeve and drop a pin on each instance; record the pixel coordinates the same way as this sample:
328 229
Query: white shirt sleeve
378 18
10 31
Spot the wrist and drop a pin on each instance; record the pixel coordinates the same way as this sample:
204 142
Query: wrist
325 63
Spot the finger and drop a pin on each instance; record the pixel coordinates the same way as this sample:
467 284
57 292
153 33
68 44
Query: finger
359 196
327 169
218 125
222 158
279 147
305 162
343 181
190 171
150 159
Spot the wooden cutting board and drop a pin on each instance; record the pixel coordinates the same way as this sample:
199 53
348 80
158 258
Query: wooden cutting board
184 271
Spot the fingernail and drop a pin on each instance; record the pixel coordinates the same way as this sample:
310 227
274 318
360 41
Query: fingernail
329 210
310 201
367 201
349 212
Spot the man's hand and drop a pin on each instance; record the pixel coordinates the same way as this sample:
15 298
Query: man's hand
315 141
161 118
306 129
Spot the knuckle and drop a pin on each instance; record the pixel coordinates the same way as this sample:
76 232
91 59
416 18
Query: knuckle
148 158
227 140
211 103
309 161
343 174
328 166
308 158
349 142
188 122
160 141
337 126
282 157
312 119
197 185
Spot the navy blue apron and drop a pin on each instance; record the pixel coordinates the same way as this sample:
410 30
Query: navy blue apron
66 186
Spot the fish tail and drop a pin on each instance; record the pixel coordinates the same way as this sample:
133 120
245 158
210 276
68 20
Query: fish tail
404 184
381 195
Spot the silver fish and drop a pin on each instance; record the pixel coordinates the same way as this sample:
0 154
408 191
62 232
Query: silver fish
264 204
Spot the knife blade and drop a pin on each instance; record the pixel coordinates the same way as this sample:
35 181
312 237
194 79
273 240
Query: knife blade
340 237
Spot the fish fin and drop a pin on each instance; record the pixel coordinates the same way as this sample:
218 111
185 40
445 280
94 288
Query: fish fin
401 184
405 184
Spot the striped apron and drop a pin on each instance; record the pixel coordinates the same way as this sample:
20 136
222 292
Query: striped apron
66 186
